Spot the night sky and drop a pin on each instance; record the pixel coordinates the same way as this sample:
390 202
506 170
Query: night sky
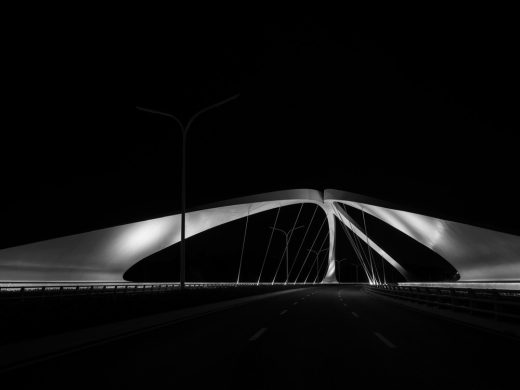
418 110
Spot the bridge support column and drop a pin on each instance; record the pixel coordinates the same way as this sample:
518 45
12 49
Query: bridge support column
330 276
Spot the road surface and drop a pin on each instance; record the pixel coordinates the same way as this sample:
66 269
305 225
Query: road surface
322 337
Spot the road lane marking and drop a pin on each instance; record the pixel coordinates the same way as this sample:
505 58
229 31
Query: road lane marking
355 314
283 312
385 340
344 304
295 303
257 334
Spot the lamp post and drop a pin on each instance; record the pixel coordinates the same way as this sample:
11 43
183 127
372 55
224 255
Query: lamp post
184 130
317 253
287 234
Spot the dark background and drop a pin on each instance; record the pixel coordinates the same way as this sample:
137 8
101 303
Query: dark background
415 107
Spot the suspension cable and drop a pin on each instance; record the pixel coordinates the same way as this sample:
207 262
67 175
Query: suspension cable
383 263
355 236
268 246
312 246
319 269
372 261
301 244
355 245
287 244
358 239
353 239
368 246
356 251
317 256
370 252
243 246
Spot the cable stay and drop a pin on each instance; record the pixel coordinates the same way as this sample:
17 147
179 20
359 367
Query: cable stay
355 236
301 244
243 246
319 269
356 251
372 260
383 264
312 246
287 243
356 246
368 246
268 246
368 262
317 256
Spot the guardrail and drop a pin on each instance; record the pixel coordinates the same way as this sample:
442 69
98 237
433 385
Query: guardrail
27 291
499 304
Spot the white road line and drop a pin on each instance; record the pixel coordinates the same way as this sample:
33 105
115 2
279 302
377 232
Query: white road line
283 312
385 340
257 334
295 303
355 314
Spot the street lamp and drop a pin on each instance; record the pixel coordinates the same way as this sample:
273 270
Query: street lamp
287 235
317 253
184 130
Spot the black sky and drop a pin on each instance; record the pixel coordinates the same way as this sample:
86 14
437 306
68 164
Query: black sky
418 110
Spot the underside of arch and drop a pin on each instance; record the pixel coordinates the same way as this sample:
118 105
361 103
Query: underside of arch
478 254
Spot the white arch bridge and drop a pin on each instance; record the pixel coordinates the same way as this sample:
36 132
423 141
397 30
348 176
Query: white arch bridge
104 255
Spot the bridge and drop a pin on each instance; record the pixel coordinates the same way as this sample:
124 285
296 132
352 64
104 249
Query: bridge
69 307
476 253
323 200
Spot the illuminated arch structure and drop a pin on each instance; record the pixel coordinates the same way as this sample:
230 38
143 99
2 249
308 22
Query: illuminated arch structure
104 255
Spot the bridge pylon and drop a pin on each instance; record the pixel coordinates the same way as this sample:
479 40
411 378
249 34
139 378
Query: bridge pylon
330 275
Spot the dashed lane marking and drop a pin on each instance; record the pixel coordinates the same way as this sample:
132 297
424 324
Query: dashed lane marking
385 341
257 334
283 312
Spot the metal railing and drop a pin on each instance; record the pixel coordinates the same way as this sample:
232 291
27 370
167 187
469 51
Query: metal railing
33 290
498 304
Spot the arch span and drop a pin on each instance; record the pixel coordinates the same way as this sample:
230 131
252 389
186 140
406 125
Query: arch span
105 255
478 254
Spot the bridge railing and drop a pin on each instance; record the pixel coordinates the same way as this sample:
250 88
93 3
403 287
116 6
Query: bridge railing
498 304
40 291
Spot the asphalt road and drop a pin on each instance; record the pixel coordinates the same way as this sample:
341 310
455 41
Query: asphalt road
323 337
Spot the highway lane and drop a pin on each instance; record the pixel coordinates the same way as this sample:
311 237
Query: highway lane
323 337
